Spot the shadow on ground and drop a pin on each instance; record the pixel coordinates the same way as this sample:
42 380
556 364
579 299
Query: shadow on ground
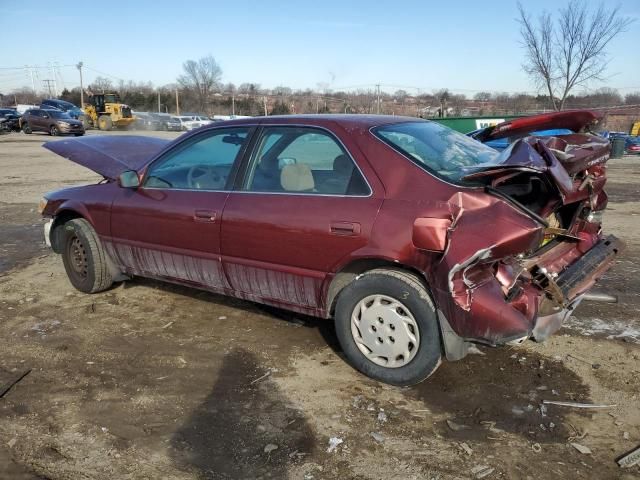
232 434
503 390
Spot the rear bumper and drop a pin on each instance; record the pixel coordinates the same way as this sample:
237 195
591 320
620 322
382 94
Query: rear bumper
564 292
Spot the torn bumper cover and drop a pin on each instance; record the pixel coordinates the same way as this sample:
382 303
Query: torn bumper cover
572 284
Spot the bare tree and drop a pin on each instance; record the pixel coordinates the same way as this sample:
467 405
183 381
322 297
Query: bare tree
202 77
101 85
571 52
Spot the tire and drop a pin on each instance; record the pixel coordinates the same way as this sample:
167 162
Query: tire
413 309
26 128
105 122
84 257
54 131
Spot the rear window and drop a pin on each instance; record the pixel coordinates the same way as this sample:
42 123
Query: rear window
438 149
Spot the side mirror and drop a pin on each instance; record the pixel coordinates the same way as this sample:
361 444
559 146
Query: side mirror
129 179
45 116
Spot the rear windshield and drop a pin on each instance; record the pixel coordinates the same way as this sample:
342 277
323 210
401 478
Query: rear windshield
438 149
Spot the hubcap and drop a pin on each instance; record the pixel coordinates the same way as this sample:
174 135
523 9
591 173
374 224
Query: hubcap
78 257
385 331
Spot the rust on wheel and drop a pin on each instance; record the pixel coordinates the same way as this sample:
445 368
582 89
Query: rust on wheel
78 258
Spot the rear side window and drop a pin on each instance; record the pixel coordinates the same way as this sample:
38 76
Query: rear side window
303 160
438 149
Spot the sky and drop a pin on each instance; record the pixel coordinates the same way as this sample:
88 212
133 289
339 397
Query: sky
421 46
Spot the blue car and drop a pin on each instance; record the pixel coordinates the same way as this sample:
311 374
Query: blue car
502 143
72 110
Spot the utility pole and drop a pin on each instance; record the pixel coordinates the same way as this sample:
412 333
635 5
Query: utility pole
233 105
79 67
48 83
33 82
264 99
378 101
177 103
158 101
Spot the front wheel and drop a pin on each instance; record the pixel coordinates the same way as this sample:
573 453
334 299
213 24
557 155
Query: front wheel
54 131
387 326
84 257
26 128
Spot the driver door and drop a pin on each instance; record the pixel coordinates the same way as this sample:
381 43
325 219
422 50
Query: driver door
169 227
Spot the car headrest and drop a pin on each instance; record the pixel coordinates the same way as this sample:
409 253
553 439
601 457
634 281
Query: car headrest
297 178
342 165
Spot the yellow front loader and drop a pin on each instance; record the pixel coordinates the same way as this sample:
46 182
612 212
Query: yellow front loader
105 111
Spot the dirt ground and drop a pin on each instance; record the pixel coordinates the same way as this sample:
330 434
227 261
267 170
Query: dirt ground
153 381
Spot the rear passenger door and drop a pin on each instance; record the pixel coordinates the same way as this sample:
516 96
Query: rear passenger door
303 206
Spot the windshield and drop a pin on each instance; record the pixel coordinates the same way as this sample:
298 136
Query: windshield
438 149
58 114
111 98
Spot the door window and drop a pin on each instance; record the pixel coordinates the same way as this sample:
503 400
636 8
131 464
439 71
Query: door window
303 160
202 163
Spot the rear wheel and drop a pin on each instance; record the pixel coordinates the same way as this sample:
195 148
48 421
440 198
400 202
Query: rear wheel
387 326
84 257
105 122
54 131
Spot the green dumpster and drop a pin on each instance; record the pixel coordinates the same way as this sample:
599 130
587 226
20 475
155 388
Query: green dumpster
469 124
617 147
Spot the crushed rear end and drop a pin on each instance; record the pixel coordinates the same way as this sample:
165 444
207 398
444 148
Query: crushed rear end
520 255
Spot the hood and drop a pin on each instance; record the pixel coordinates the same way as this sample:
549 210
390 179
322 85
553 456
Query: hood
575 120
109 155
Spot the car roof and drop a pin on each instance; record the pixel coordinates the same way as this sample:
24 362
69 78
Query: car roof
361 122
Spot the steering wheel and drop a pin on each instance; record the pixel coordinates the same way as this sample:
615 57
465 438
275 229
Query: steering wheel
201 177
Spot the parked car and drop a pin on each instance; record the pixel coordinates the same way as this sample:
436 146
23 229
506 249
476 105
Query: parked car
10 119
417 240
72 110
54 122
168 123
187 122
146 121
632 145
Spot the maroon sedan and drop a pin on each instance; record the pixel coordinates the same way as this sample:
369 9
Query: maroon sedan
418 241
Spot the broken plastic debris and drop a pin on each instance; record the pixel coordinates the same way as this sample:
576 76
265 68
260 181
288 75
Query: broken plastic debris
270 447
576 404
481 471
333 444
630 459
456 427
382 417
378 437
581 448
466 448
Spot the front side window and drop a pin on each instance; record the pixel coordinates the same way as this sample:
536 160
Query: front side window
445 152
303 160
203 163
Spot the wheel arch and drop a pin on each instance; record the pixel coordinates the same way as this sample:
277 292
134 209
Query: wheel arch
453 346
351 270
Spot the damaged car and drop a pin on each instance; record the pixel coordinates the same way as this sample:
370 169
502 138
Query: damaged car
416 240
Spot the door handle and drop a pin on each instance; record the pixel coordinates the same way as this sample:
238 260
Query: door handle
204 216
345 228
